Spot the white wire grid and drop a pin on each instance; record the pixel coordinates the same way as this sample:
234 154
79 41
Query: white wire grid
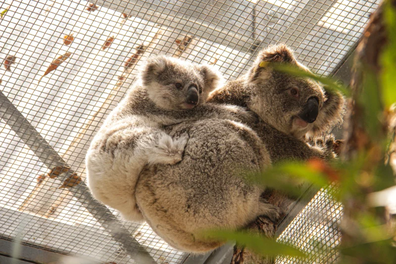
68 105
315 230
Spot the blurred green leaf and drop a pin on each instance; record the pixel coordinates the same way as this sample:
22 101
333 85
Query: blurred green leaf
388 56
285 176
371 228
371 100
374 252
302 171
296 71
376 233
255 242
384 177
349 171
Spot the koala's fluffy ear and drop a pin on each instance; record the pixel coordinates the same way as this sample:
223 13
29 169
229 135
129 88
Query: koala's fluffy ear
279 54
330 115
153 67
211 77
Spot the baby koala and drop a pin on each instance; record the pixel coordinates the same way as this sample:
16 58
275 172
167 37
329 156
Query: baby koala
132 136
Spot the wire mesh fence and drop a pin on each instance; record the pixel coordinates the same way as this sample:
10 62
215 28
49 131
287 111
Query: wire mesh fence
66 64
315 230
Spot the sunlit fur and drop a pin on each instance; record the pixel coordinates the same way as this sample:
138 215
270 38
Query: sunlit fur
132 135
267 93
207 190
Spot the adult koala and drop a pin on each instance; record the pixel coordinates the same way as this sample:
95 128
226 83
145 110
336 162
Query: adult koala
206 190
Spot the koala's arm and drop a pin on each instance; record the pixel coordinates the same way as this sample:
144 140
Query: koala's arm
232 112
116 157
233 93
285 147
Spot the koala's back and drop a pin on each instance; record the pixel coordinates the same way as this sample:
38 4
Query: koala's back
135 112
136 103
206 189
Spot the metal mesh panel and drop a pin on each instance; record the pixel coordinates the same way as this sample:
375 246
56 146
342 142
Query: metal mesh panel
315 230
48 120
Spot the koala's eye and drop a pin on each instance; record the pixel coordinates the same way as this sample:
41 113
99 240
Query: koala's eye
294 92
178 86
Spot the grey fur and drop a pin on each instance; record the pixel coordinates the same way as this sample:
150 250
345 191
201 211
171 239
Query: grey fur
206 189
133 135
267 93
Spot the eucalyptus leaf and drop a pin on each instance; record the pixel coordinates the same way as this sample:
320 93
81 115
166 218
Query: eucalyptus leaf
290 173
371 100
384 177
373 252
388 57
296 71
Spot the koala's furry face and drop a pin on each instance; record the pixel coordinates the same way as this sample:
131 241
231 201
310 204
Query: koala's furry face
174 84
291 104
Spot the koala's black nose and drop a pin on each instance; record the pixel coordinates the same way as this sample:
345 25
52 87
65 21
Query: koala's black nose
311 110
192 95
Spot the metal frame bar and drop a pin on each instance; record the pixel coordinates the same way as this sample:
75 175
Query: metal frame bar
43 150
7 260
30 254
220 255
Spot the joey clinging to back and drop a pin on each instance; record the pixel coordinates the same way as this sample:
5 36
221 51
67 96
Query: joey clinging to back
167 87
132 136
293 105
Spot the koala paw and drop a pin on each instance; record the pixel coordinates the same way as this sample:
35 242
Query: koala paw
272 212
168 150
327 145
